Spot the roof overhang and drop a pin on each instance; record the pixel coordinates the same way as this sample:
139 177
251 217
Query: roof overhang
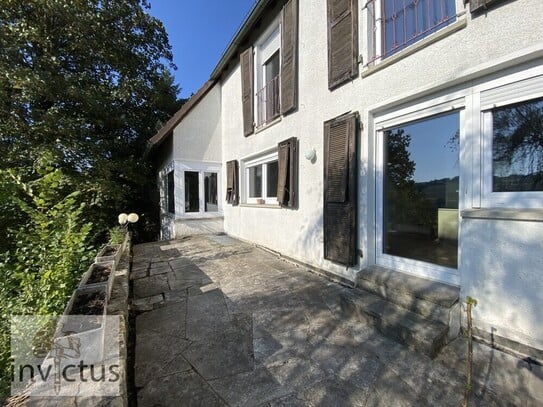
232 50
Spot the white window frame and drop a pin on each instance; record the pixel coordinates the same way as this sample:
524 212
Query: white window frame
267 44
201 168
422 111
263 160
501 93
375 46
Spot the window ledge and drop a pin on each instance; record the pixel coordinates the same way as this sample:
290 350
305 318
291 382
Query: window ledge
269 206
445 32
199 216
525 214
269 124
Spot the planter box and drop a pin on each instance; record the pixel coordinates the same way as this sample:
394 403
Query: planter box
80 331
101 273
109 253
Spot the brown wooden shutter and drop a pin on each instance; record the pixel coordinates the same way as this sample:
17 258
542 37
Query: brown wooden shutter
247 91
287 179
480 5
340 189
232 182
342 41
289 57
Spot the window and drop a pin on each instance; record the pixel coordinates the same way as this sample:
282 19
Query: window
517 147
269 71
210 188
192 192
268 96
513 154
272 178
261 179
397 24
511 114
267 76
170 195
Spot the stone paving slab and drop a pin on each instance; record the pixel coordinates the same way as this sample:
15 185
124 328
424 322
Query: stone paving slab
224 323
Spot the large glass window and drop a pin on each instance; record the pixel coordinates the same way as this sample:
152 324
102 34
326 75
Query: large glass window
192 193
420 190
170 194
210 188
397 24
517 147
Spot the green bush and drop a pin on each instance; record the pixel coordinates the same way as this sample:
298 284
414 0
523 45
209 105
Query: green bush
49 251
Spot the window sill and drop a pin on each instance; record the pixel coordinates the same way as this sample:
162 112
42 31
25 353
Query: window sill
269 124
198 215
525 214
445 32
268 206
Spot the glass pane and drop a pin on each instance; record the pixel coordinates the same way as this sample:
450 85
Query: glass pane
192 195
271 181
170 196
407 21
210 186
517 147
255 182
272 67
420 213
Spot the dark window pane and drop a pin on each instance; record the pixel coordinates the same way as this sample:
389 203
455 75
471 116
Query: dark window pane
192 196
271 181
408 21
255 182
517 147
210 181
420 212
170 195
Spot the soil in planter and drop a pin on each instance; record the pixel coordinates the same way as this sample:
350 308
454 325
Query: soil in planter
99 274
89 304
110 251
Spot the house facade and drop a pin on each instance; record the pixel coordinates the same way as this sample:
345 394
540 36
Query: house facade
349 134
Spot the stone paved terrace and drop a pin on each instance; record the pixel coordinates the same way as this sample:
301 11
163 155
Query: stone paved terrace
224 323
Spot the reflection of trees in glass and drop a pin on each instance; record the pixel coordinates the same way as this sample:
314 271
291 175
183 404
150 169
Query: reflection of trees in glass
405 203
517 148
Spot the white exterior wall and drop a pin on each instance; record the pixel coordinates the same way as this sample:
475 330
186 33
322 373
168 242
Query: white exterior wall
198 136
504 40
501 268
196 147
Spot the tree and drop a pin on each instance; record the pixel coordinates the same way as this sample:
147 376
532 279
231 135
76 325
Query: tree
85 81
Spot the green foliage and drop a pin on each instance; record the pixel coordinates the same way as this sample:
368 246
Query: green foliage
116 235
87 82
50 250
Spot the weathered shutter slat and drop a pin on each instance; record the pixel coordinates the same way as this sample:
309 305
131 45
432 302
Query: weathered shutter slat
282 177
232 184
342 41
338 162
247 91
287 179
340 189
289 57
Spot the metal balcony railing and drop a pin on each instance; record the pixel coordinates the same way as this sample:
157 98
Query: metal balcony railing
268 102
398 24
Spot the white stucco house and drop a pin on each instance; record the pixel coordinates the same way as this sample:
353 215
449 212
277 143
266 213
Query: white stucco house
403 135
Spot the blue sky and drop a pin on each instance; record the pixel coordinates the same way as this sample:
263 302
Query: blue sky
199 32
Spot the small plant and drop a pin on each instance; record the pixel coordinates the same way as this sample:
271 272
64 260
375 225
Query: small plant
470 302
116 235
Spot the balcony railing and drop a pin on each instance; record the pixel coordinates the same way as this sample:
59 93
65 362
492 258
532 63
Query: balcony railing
268 102
397 25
